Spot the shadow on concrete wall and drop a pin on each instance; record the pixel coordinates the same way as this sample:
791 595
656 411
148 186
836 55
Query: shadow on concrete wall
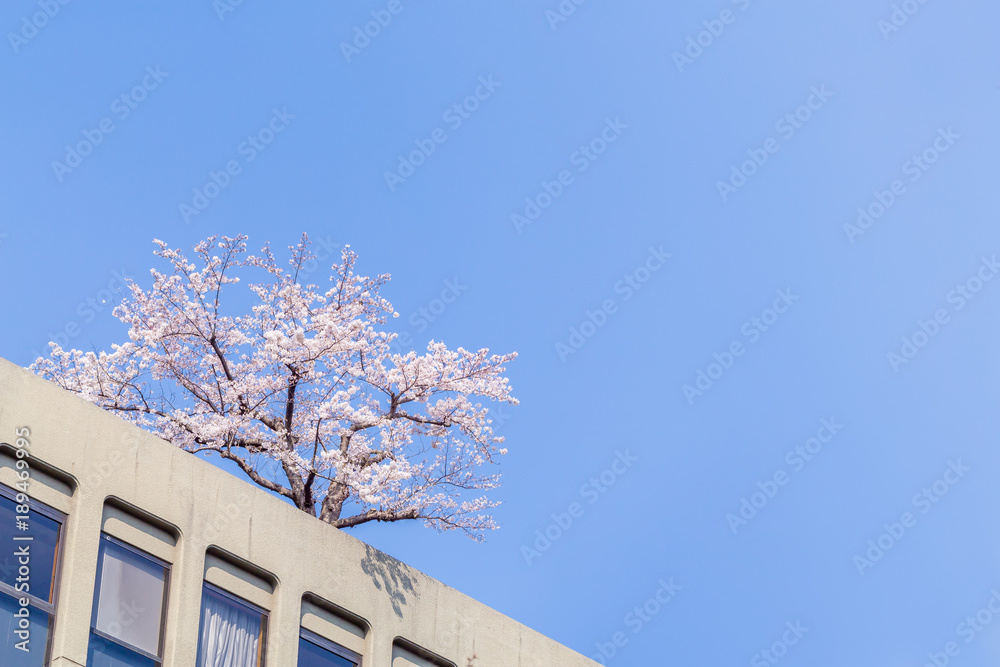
389 575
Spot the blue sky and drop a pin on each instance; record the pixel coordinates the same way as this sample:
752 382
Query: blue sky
892 109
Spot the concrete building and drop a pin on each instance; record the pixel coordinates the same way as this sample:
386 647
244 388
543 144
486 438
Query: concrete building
130 551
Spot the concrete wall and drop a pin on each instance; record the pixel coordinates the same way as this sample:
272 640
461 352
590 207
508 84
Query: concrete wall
106 474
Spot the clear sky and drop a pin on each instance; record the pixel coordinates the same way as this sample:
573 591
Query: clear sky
664 202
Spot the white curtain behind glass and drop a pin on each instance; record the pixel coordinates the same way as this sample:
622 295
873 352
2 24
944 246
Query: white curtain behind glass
230 634
131 599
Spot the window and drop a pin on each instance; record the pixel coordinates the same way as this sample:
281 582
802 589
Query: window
30 538
232 631
314 651
130 601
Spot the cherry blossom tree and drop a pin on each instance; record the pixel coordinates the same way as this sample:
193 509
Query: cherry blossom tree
297 385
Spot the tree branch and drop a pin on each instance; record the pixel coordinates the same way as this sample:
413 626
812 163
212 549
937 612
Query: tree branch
255 476
377 515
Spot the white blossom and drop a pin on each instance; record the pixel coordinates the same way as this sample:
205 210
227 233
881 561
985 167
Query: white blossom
298 387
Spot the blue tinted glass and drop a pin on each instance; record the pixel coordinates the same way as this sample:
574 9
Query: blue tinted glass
38 635
311 655
105 653
128 602
41 549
